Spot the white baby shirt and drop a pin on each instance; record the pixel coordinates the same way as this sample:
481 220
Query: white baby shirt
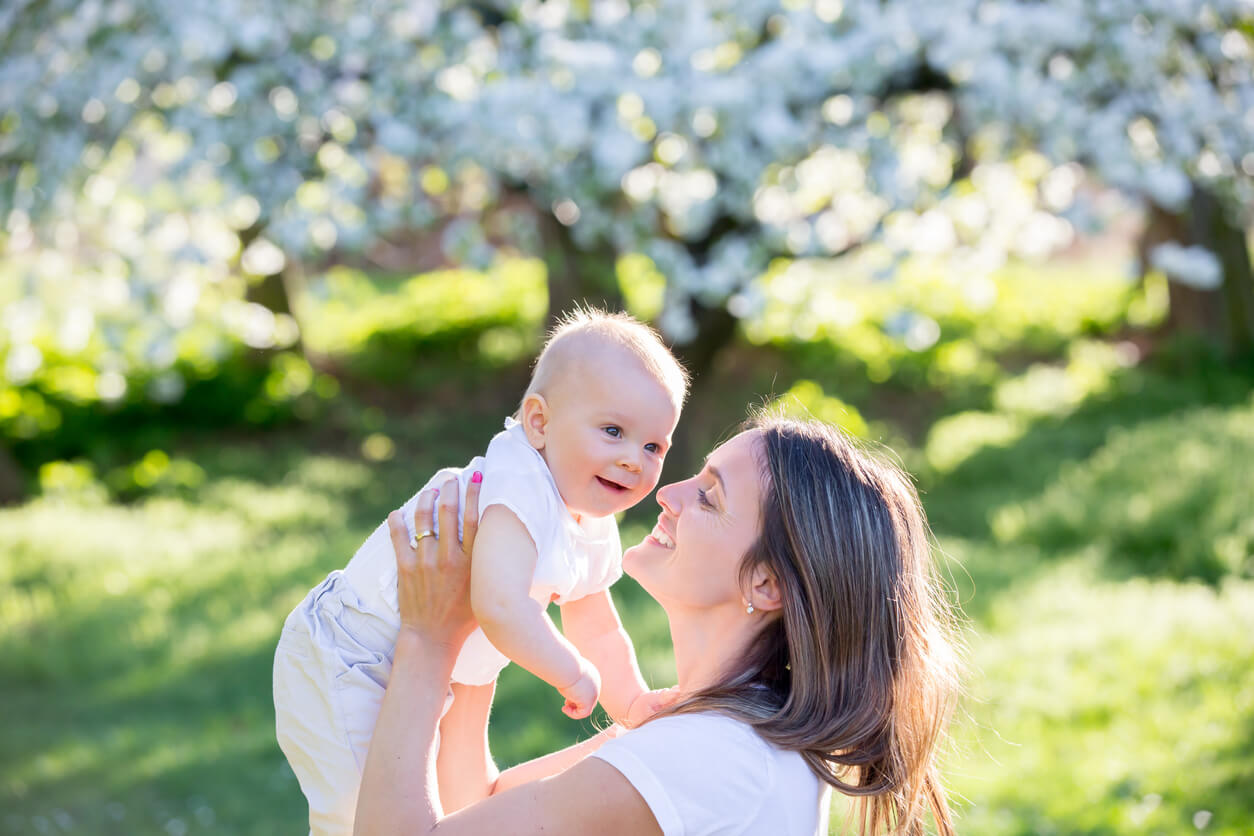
575 559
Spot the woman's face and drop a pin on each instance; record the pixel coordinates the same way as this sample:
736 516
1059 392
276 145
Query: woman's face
707 523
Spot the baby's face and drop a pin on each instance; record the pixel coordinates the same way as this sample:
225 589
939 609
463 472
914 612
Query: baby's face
608 433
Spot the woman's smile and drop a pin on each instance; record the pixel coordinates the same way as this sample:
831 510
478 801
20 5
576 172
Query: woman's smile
660 537
706 525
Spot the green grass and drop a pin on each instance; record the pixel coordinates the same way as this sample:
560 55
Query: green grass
1093 510
137 652
1104 707
1105 561
1102 699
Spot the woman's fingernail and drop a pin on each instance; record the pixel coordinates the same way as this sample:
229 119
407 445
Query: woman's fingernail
477 478
437 491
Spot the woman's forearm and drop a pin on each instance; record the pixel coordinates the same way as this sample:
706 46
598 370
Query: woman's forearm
465 765
399 791
548 765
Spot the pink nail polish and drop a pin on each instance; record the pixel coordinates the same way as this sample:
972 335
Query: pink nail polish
477 478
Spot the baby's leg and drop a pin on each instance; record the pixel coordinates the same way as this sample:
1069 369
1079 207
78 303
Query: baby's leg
330 670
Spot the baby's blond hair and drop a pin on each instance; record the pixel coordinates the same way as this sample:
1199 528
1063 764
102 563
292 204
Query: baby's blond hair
617 329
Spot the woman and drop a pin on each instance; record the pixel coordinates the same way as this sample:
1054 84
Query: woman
811 645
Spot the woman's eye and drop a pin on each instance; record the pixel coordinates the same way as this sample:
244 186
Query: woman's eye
703 499
614 431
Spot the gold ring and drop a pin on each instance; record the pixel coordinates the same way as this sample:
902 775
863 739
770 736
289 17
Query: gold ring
413 541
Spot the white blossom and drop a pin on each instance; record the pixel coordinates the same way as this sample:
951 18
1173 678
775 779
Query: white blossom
1194 266
787 128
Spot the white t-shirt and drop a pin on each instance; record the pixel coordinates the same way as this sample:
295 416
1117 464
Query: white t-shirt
708 775
574 559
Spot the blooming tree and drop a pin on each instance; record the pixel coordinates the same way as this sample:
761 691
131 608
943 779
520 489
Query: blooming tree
218 140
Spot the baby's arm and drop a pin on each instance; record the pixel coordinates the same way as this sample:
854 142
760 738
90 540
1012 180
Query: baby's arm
501 570
592 624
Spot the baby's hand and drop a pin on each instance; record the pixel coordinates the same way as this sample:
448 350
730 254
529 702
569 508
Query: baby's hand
649 703
581 695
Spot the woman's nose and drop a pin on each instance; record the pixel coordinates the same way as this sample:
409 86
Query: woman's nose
668 498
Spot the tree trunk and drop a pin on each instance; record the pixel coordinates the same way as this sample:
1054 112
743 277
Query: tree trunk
1213 229
12 481
271 293
716 328
576 276
1225 315
275 292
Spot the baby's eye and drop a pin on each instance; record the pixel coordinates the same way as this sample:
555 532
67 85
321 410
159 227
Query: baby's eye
616 432
652 448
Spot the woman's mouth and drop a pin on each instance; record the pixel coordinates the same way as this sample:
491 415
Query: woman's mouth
657 535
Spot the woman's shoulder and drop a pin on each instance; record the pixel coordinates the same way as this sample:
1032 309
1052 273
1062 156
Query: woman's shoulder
716 740
715 770
725 743
712 725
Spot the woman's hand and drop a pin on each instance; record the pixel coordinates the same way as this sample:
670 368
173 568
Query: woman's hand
399 788
433 580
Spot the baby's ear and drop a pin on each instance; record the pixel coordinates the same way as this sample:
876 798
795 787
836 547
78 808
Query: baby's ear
535 419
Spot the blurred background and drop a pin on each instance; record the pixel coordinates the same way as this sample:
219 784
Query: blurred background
264 266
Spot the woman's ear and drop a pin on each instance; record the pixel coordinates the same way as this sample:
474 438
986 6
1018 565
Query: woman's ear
535 419
764 591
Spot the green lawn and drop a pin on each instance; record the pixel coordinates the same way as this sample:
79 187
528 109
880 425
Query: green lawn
1094 516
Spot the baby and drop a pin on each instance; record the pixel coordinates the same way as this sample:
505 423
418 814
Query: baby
587 442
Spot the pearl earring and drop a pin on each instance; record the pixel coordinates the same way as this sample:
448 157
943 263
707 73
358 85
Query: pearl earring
749 609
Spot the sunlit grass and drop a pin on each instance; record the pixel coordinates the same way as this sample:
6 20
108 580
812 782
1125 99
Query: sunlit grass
1078 492
1104 707
1163 497
137 652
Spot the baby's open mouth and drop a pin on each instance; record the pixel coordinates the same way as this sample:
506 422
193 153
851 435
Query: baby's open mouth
614 486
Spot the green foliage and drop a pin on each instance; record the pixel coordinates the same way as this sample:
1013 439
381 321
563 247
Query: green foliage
42 423
932 329
69 480
1043 389
643 287
956 438
405 330
1097 454
402 329
1170 496
805 399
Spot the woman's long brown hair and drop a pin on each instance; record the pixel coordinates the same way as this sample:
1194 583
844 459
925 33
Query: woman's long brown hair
859 672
